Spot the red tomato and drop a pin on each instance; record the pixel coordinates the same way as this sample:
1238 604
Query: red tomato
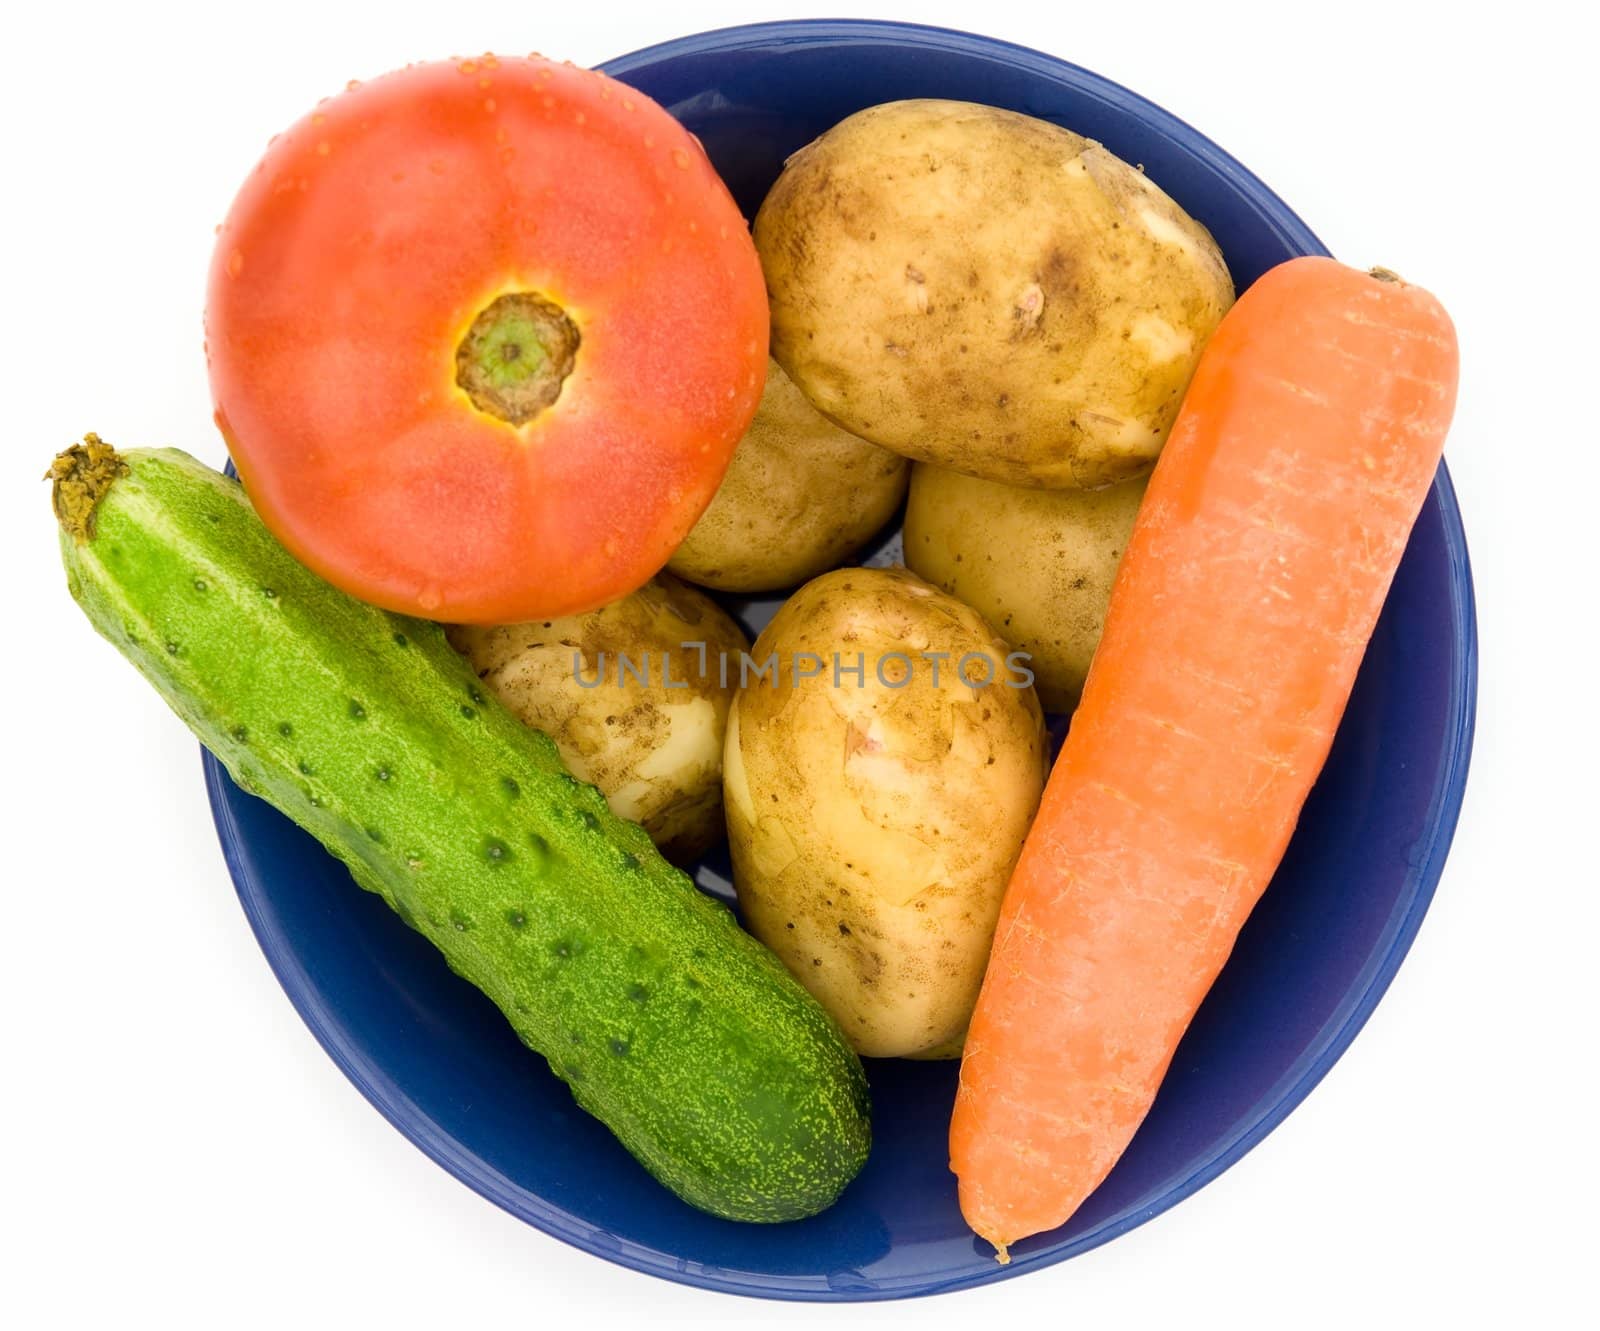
483 337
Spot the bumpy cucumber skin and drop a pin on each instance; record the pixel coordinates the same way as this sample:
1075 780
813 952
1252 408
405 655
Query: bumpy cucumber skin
671 1025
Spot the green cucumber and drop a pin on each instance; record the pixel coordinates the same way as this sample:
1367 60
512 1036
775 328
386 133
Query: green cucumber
669 1023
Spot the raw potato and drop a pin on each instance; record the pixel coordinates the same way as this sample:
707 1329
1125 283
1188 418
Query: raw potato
988 292
1037 564
800 497
655 751
874 827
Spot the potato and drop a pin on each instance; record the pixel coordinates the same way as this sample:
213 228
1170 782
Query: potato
800 497
874 824
987 292
1037 564
650 736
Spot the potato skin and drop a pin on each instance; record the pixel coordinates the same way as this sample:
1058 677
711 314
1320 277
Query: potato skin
1037 564
987 292
655 752
800 497
873 829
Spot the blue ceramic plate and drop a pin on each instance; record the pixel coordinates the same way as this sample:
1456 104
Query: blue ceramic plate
439 1062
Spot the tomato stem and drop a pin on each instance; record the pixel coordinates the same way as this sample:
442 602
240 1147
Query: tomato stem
516 356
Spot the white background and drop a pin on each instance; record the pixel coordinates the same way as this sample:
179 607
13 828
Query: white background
176 1145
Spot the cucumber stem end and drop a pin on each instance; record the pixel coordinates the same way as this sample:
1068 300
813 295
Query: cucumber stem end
79 479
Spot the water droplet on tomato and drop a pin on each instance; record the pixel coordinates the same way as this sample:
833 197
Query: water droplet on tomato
430 599
628 104
235 264
649 140
352 85
318 118
484 80
468 67
324 148
489 104
490 61
579 118
507 153
680 159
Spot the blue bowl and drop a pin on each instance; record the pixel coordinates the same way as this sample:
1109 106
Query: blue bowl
440 1063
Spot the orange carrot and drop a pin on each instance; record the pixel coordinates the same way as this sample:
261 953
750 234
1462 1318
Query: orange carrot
1266 543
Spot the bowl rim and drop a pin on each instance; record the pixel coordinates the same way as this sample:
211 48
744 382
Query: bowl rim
1354 1009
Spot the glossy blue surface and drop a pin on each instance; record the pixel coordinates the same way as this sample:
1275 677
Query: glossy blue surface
437 1059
